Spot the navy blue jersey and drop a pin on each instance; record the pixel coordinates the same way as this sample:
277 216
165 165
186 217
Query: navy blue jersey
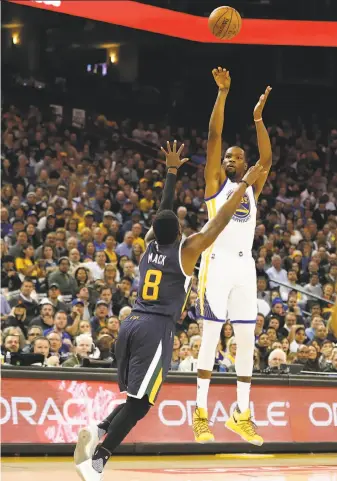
163 286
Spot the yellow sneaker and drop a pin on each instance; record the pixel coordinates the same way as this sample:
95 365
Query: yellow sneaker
242 424
202 433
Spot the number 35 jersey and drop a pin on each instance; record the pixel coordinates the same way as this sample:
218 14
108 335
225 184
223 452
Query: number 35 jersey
163 286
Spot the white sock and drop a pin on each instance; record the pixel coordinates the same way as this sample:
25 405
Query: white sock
202 392
242 392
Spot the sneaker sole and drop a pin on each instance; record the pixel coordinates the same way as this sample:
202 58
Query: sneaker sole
84 438
250 442
210 441
80 474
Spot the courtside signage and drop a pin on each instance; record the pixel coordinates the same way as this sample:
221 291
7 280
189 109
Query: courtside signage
54 414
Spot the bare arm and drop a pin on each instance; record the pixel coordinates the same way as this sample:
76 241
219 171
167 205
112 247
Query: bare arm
263 141
173 162
197 243
214 144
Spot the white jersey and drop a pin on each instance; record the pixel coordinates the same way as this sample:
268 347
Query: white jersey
227 276
238 235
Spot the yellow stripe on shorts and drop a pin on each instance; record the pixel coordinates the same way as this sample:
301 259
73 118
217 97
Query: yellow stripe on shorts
211 207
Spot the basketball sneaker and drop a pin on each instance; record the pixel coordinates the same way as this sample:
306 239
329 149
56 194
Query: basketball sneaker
202 433
88 439
242 424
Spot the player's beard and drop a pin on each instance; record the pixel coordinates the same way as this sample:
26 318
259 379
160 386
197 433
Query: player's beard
231 174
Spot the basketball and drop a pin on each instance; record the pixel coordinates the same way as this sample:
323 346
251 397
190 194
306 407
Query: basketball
225 22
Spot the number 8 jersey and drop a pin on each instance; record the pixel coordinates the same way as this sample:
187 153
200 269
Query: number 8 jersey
163 286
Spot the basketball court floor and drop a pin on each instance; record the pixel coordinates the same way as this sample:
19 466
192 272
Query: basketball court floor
224 467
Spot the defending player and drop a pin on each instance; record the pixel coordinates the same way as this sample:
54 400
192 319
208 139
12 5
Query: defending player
227 277
145 340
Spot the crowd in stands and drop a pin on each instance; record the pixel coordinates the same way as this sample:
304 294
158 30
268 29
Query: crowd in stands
75 207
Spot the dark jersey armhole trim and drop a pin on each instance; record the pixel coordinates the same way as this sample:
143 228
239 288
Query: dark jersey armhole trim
213 196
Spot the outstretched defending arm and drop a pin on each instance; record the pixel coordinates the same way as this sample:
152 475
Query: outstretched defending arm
173 163
214 144
263 141
197 243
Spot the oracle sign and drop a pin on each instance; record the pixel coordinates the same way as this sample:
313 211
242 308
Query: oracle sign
52 411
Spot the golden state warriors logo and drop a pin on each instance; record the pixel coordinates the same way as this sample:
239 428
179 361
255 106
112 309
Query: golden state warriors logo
242 214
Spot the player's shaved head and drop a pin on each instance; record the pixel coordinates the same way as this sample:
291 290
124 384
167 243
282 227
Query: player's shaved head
235 163
166 227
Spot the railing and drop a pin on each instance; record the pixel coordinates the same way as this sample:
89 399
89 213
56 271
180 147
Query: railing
302 291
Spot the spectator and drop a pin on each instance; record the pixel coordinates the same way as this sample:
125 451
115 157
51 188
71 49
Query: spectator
110 247
193 329
276 273
45 319
97 267
292 283
316 322
9 277
263 344
121 297
321 334
11 344
314 287
84 346
60 327
32 333
332 367
84 327
289 321
101 316
25 298
175 354
17 317
297 337
275 360
229 358
190 362
113 325
53 297
124 313
41 345
260 321
63 279
312 364
125 248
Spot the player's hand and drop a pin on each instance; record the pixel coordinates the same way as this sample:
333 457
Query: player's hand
254 173
222 78
261 103
173 159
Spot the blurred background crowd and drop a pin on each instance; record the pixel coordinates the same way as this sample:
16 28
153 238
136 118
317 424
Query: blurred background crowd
80 191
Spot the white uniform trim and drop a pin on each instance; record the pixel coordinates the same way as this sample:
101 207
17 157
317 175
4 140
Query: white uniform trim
180 263
149 373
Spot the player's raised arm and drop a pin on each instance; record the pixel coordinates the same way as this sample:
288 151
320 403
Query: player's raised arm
214 144
197 243
173 162
263 141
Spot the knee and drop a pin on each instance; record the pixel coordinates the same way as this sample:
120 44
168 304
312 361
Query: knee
245 337
138 408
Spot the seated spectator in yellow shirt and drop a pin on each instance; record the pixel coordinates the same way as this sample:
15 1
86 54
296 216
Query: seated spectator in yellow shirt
88 221
110 243
25 265
106 225
136 231
146 204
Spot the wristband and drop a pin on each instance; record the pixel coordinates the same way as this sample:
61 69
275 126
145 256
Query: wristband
244 182
258 120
